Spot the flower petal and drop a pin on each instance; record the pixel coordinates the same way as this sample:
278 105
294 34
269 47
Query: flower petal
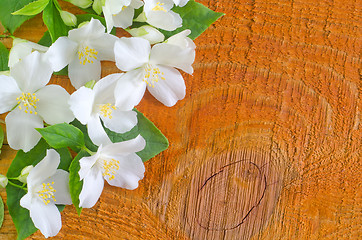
180 39
105 46
171 89
104 89
93 29
124 18
131 170
80 74
86 163
61 53
81 104
121 148
96 131
121 121
45 217
173 56
168 21
131 53
22 48
9 91
25 201
44 169
53 105
129 90
61 185
108 16
92 188
31 73
17 121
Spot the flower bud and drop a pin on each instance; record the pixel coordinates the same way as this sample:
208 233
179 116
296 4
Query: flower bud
3 181
24 173
68 18
149 33
22 48
81 3
97 6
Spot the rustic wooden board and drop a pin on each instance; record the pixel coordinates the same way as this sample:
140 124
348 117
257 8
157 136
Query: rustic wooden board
266 143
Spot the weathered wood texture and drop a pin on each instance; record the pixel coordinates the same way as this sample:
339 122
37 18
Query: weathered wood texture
266 143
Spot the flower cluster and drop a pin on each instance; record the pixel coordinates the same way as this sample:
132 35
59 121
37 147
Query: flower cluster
36 109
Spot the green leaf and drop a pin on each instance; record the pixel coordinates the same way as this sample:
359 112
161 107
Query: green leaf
21 218
1 137
62 135
156 142
75 184
65 159
4 58
88 142
9 21
1 212
32 8
46 39
54 22
195 17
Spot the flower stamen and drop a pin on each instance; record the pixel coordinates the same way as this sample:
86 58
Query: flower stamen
159 7
86 54
110 168
47 193
152 75
27 102
106 110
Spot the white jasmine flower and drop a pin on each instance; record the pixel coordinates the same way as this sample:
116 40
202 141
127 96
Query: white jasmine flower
158 13
182 40
147 32
154 68
83 50
117 163
31 102
180 3
119 13
47 186
91 106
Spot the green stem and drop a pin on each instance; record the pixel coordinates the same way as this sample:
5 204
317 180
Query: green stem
88 151
2 121
57 5
16 185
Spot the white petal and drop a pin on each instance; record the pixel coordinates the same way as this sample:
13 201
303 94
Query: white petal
80 74
129 90
31 73
104 89
44 169
170 90
25 201
81 104
20 129
147 32
124 18
108 16
22 48
45 217
136 4
86 163
61 185
53 105
131 146
151 4
131 53
9 91
93 29
173 56
61 53
180 39
180 3
168 21
96 131
131 170
92 188
121 121
105 46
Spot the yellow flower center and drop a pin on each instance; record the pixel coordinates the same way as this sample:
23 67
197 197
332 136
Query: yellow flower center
47 193
110 167
159 7
27 102
106 110
87 55
152 75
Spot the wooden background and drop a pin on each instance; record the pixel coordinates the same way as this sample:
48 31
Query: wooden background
266 143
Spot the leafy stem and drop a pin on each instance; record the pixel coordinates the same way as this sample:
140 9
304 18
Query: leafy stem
87 150
2 121
16 185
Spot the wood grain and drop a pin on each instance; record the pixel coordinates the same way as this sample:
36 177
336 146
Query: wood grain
266 143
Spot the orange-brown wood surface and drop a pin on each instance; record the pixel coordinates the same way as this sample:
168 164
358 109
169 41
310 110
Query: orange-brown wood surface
266 143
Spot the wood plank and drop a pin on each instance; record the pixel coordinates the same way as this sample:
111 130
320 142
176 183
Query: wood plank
266 143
